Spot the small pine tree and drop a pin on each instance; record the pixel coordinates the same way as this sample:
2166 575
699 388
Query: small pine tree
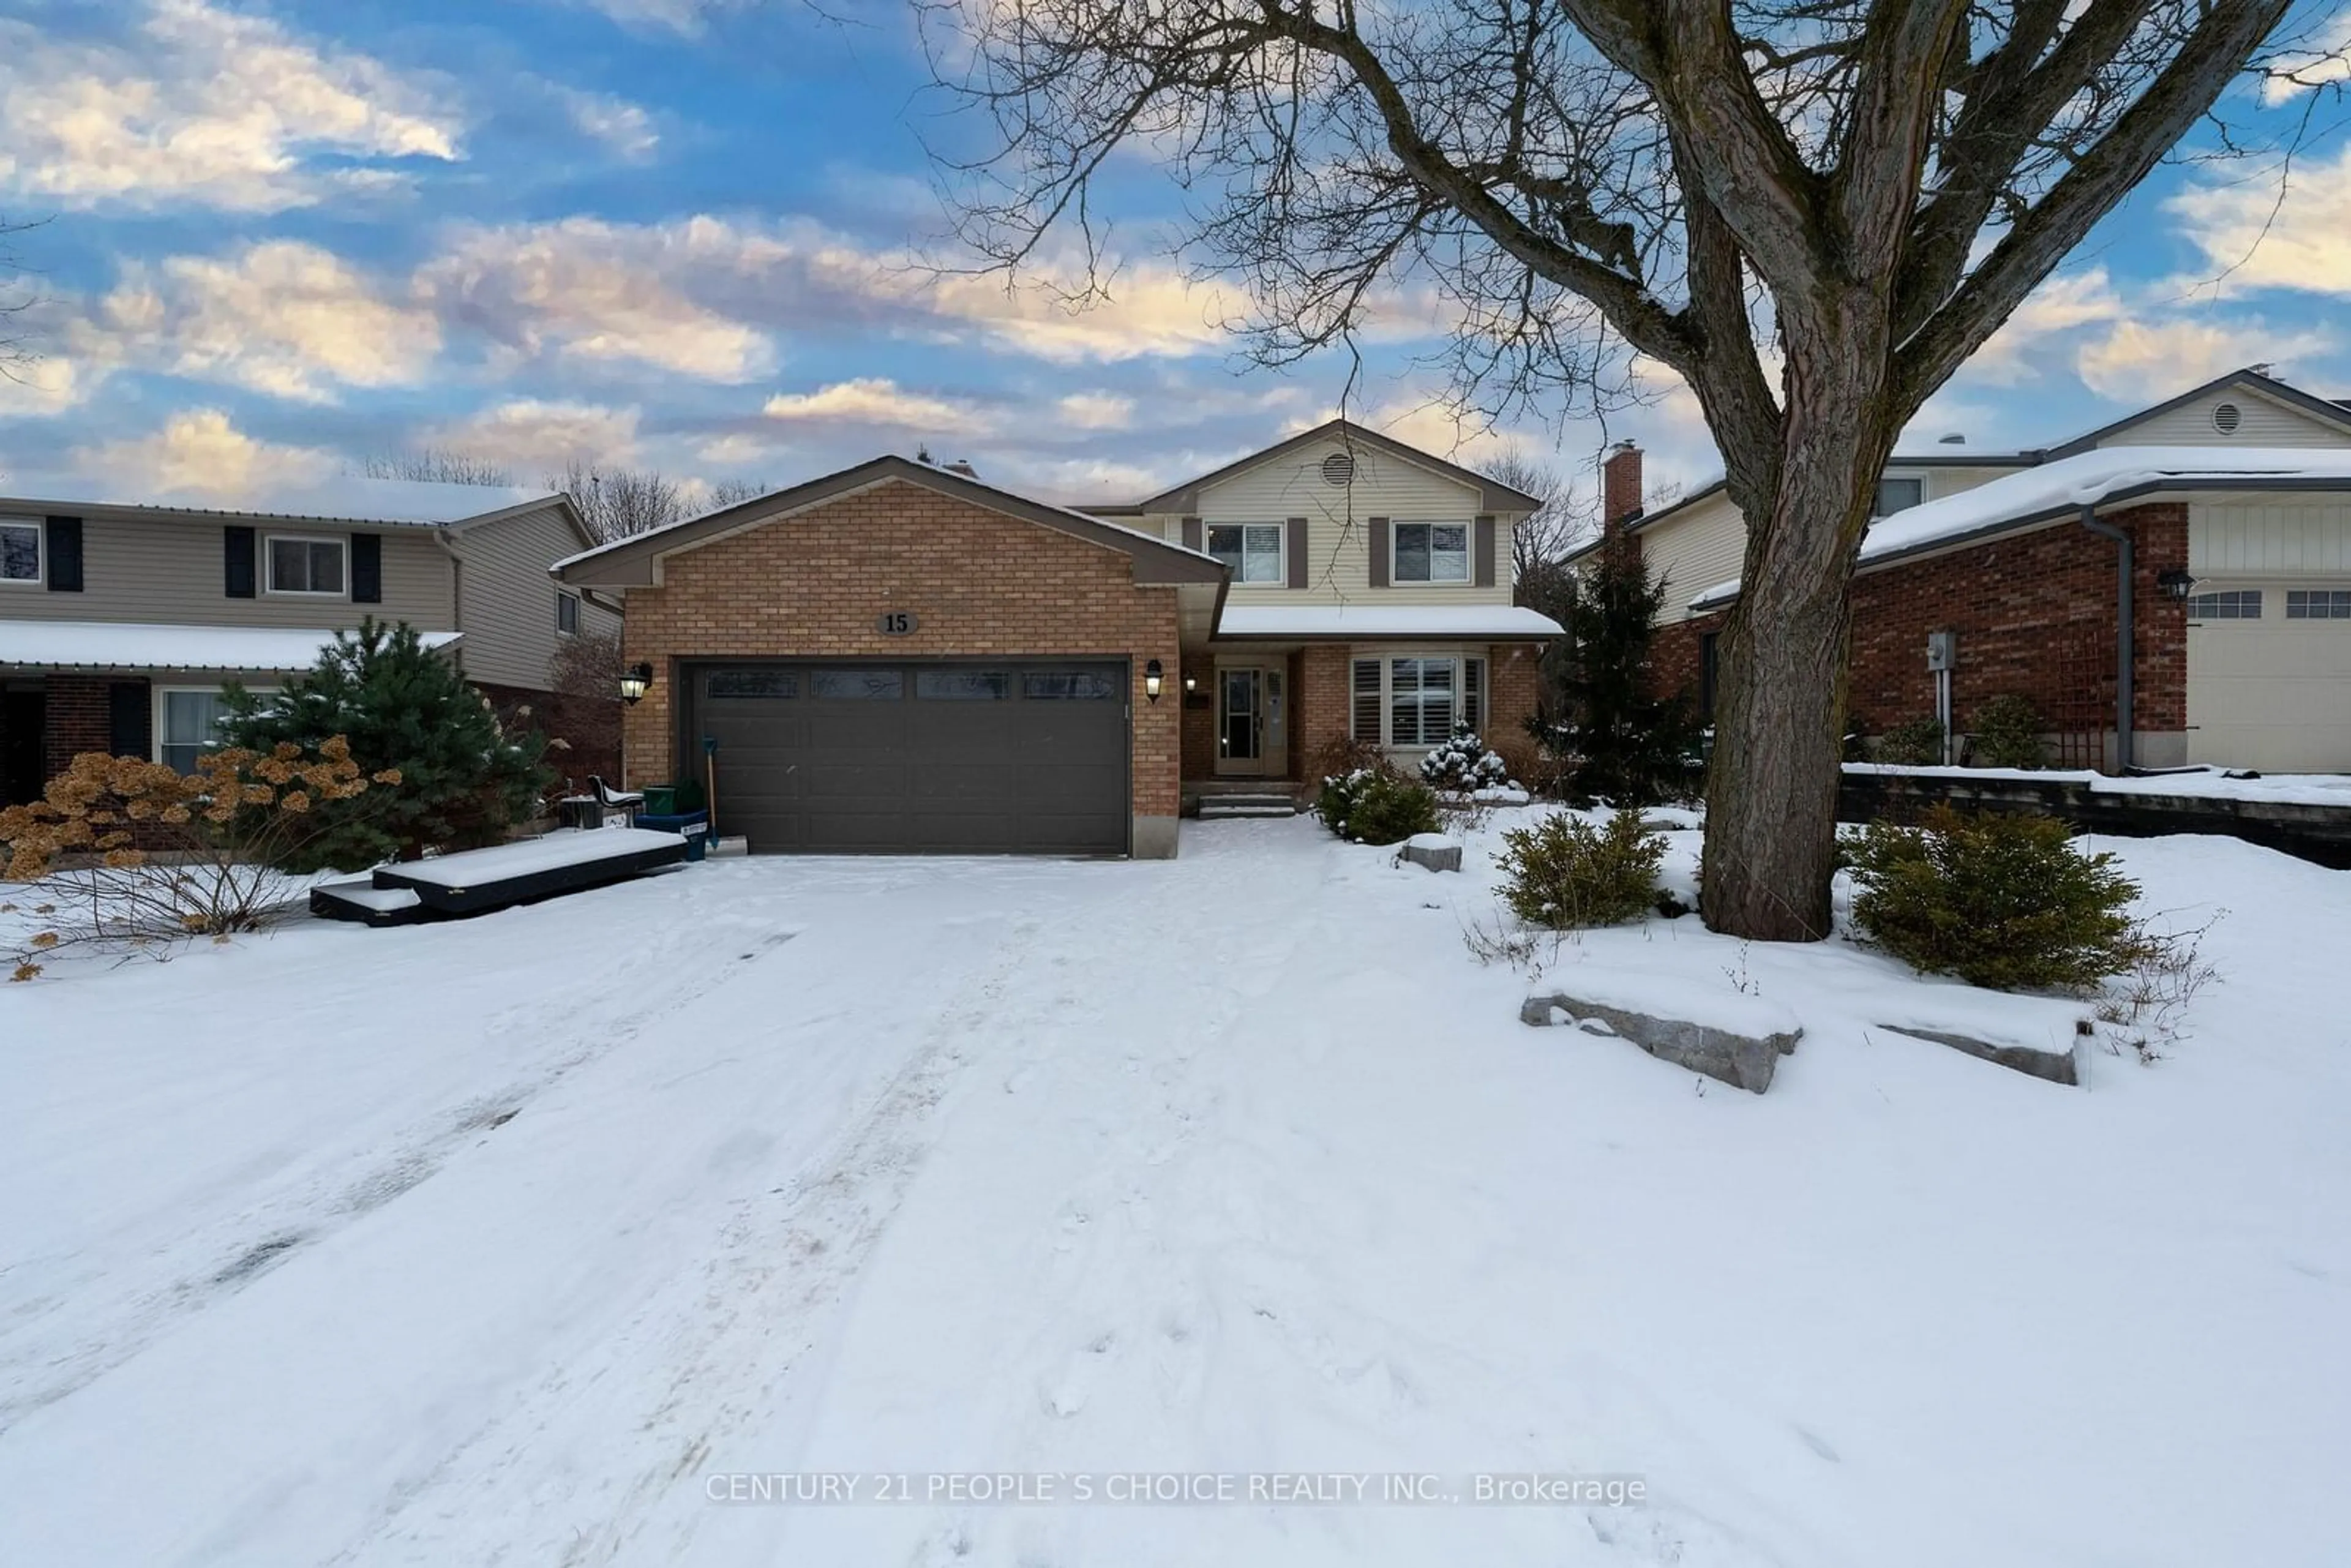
463 781
1622 742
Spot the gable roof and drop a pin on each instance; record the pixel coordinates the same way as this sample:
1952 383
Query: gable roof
2322 409
629 562
1492 494
400 503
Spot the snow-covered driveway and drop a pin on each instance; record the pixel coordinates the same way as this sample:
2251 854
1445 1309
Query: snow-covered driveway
509 1241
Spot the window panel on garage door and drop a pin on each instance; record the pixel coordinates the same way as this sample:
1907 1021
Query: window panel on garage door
940 758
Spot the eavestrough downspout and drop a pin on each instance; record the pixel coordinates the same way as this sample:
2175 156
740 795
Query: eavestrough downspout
2124 610
456 591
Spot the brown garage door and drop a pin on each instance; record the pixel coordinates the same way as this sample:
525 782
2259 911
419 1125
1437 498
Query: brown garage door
874 758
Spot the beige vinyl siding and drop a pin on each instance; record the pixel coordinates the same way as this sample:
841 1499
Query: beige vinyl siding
507 599
2262 422
1694 550
2265 539
168 569
1338 524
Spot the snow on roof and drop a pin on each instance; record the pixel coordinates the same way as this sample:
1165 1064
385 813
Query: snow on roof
2089 479
134 645
341 500
1385 621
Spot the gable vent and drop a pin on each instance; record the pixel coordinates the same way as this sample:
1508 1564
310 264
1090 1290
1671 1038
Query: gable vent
1339 468
2226 417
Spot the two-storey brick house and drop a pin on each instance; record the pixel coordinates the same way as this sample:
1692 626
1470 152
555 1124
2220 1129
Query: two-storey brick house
900 658
122 617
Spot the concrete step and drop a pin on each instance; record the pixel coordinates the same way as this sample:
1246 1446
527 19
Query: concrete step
1215 806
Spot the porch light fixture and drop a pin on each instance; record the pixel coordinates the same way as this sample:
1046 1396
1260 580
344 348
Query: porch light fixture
1191 683
2175 584
635 682
1153 677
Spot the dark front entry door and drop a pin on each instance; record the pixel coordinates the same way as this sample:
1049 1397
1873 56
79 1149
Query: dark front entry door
24 769
1026 756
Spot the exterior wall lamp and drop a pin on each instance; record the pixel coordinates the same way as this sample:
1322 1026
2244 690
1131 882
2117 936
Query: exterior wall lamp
1153 677
1191 683
635 680
2175 584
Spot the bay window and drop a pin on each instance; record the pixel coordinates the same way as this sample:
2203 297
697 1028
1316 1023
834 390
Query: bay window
1416 700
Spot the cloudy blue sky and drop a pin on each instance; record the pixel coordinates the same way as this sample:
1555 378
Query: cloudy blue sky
282 234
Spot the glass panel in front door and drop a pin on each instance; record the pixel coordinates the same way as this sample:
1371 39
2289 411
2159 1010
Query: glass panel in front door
1240 731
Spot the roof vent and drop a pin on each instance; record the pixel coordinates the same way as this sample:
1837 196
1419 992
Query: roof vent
1339 468
2226 417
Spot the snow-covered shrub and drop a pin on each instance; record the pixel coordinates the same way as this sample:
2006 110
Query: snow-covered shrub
1339 792
2007 734
1390 808
123 850
1564 872
1463 763
1913 743
1998 899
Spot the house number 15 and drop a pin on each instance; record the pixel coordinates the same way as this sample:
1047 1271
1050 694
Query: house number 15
896 622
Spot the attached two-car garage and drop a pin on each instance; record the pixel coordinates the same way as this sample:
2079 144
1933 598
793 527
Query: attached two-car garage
968 756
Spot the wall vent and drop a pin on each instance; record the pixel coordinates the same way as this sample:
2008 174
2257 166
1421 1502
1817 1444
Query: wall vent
2226 417
1339 468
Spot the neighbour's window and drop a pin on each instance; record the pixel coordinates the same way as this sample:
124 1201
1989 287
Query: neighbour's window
1432 552
857 686
20 551
754 683
1252 549
567 613
1710 674
306 566
188 724
1897 495
1067 686
963 686
2231 604
2318 604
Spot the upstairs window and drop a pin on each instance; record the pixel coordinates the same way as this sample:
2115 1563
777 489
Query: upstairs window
20 551
567 613
1432 552
1253 551
1897 495
306 566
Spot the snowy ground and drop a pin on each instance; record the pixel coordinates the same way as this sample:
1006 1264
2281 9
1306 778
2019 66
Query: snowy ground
511 1240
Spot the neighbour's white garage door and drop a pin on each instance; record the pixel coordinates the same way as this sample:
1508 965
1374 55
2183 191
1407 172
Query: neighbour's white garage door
2269 676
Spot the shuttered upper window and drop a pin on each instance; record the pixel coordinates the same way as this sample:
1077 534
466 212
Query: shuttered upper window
20 551
306 566
1432 552
1253 551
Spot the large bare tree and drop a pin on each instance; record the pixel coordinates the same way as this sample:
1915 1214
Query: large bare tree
1811 212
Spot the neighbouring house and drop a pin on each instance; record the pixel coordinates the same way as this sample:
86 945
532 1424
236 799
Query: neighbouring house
899 657
2220 518
123 616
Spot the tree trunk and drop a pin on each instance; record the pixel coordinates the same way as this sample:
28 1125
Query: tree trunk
1779 741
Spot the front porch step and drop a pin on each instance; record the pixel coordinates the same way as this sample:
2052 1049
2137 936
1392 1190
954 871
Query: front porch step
1213 806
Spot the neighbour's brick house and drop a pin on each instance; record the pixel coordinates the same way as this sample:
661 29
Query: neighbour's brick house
2240 592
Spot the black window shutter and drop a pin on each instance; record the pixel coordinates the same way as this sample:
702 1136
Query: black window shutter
129 718
1379 541
1296 541
1483 549
236 562
64 549
367 568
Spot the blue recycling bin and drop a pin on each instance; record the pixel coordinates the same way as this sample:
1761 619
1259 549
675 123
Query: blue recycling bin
695 825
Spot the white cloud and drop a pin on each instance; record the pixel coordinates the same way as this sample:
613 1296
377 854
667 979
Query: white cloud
1150 309
205 106
2246 232
2325 61
684 16
198 451
532 436
2140 361
2062 304
622 126
1097 411
282 318
877 400
584 288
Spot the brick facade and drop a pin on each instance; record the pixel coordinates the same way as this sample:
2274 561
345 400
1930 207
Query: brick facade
78 717
2034 614
978 583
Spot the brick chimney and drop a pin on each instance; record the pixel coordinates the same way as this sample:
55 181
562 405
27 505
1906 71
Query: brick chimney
1620 487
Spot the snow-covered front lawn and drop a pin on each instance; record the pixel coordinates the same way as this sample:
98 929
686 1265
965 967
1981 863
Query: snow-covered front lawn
516 1239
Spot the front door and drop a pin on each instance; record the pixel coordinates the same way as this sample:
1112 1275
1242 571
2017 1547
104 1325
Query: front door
1251 735
22 772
